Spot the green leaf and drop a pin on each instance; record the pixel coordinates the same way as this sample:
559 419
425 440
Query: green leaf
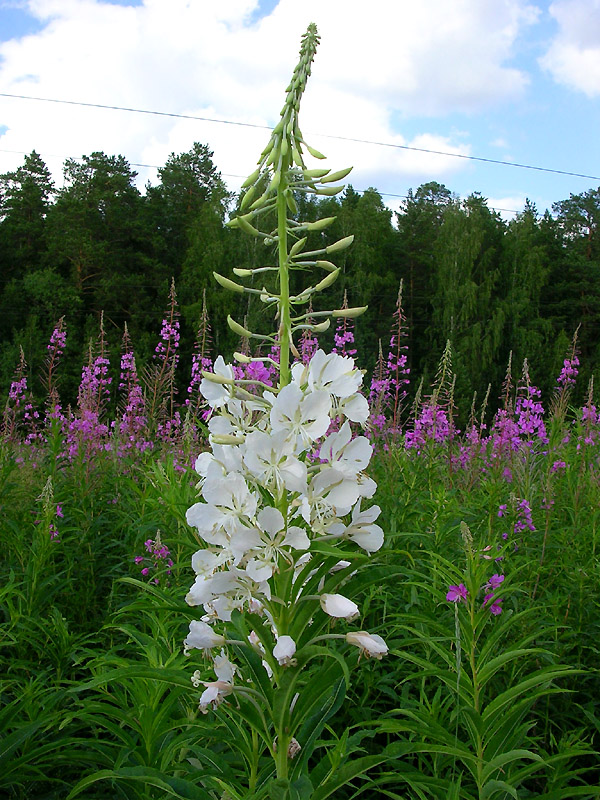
175 787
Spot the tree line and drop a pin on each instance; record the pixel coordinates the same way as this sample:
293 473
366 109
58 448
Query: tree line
99 245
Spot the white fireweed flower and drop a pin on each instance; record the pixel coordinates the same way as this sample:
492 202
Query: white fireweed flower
270 459
336 605
330 489
216 690
217 394
229 504
344 454
370 644
213 695
334 373
361 529
305 416
202 637
206 588
273 538
223 460
284 651
355 408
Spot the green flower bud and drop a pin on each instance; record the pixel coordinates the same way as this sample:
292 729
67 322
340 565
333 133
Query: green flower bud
327 281
349 313
315 173
237 328
227 284
341 244
245 225
325 265
251 178
336 176
314 153
320 224
297 246
329 191
247 198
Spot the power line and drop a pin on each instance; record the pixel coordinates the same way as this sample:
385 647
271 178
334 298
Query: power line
324 135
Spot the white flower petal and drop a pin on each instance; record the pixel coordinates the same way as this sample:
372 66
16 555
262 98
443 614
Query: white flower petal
336 605
284 650
370 644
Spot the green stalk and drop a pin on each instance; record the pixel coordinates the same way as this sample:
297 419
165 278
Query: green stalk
285 324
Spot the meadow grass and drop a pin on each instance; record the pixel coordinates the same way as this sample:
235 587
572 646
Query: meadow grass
96 693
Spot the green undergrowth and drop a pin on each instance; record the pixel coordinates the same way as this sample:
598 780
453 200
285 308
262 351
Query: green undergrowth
96 694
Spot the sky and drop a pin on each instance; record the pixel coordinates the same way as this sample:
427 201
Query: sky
515 81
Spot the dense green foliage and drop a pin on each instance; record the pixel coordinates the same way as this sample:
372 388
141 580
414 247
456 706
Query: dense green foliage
98 244
96 692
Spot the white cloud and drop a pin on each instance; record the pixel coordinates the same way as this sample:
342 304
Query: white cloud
509 206
573 58
376 61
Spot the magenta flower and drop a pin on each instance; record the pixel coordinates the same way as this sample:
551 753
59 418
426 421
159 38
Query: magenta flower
495 607
495 581
457 594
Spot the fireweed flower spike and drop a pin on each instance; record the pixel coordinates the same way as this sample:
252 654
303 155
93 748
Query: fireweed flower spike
279 517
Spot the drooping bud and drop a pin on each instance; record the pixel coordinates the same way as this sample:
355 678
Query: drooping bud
327 280
237 328
350 313
227 284
336 176
341 244
320 224
314 152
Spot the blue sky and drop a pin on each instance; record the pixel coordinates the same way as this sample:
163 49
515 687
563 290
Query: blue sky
510 80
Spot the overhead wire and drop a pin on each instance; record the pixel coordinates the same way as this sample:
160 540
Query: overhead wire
324 135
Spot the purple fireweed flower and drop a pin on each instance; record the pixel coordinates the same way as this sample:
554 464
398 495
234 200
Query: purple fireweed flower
432 425
501 510
557 465
524 519
569 371
157 557
495 607
457 594
495 581
59 511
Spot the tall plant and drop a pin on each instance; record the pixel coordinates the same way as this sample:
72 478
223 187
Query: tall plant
280 520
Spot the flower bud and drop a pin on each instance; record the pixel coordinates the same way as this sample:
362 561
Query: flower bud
329 191
341 244
336 605
314 152
327 281
226 438
349 313
336 176
251 179
284 651
237 328
227 284
202 636
297 247
370 644
326 265
320 224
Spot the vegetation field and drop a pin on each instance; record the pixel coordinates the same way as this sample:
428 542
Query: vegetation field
478 697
